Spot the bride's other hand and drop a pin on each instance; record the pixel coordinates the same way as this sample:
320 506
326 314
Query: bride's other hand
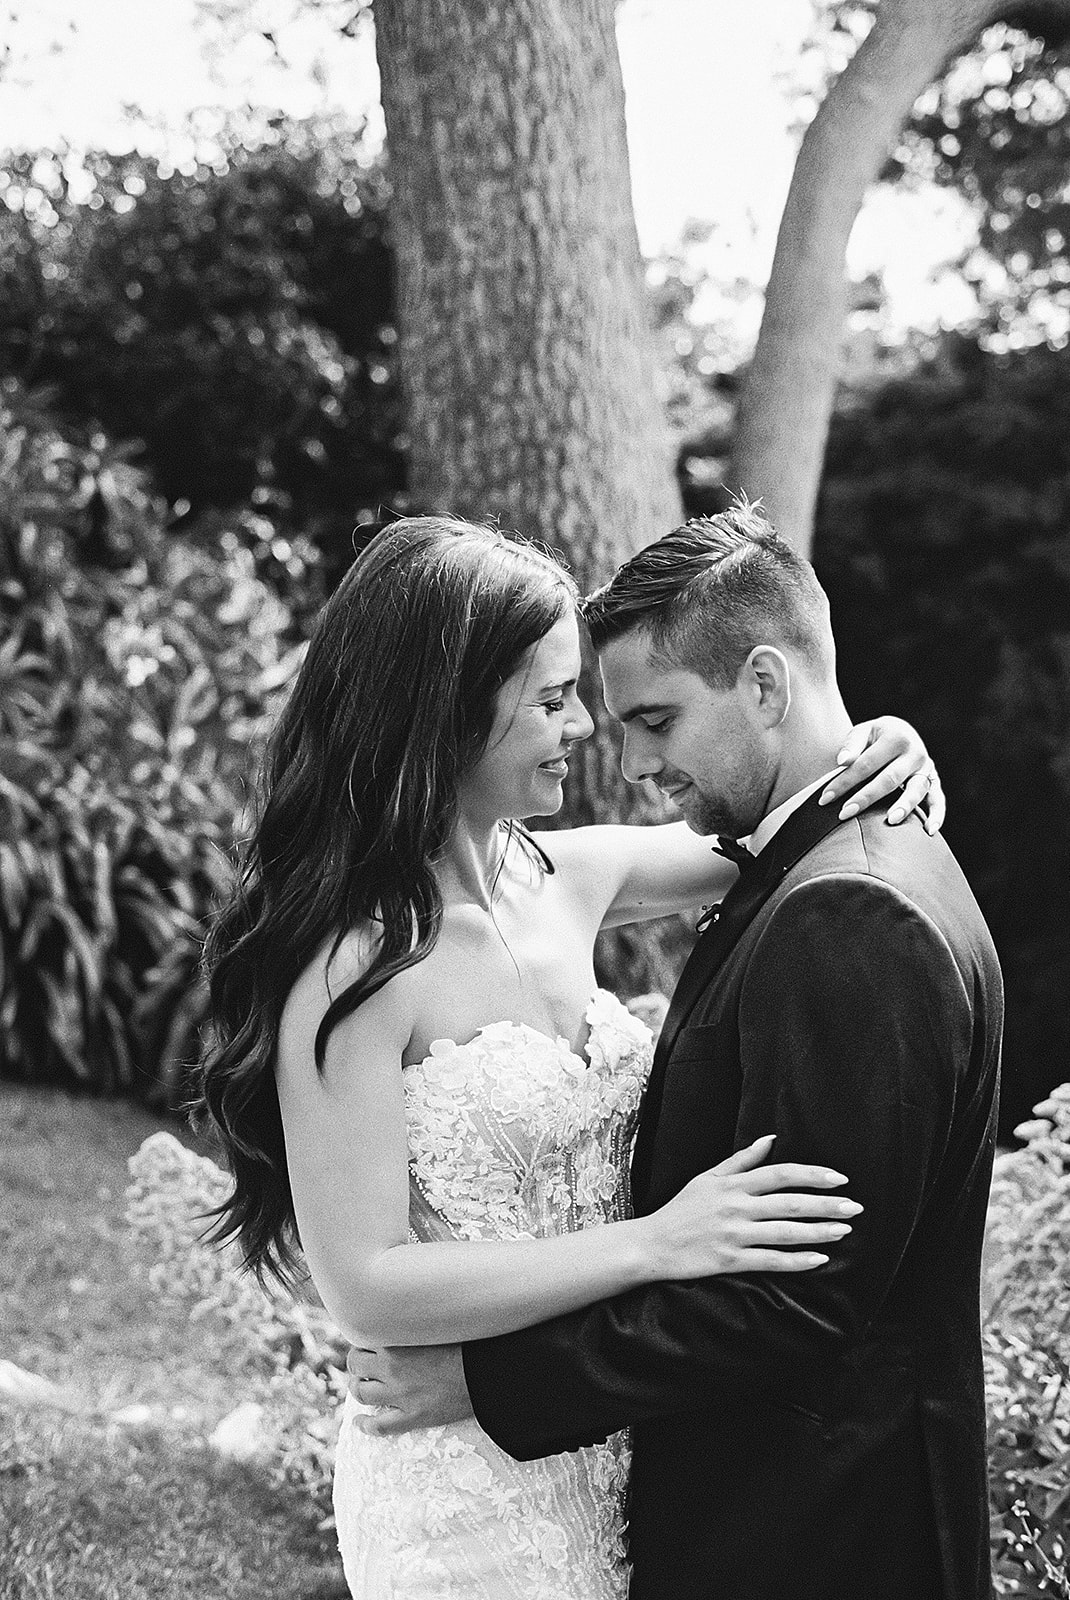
743 1216
419 1386
893 754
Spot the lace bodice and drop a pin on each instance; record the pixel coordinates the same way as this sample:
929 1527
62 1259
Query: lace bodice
512 1135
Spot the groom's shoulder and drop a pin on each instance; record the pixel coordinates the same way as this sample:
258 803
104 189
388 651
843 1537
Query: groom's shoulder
902 863
868 844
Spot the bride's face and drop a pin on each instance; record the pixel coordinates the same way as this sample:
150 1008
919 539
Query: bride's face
538 718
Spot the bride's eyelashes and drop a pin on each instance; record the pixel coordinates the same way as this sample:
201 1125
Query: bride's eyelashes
553 705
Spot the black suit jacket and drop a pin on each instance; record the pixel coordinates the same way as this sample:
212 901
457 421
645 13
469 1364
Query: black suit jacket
821 1435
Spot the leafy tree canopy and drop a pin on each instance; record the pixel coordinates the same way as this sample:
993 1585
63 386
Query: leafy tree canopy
995 128
236 317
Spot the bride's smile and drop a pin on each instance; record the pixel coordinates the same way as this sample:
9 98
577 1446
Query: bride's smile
538 718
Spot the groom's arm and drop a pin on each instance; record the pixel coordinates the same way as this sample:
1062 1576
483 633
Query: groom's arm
855 1030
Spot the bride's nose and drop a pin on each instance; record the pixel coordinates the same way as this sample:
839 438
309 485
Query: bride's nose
580 724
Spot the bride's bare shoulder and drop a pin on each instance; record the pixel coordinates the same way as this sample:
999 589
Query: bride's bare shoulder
335 967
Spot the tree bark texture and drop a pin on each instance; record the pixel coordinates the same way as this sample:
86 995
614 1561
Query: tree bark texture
525 341
788 395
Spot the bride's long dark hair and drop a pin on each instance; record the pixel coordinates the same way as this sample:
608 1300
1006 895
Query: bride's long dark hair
394 702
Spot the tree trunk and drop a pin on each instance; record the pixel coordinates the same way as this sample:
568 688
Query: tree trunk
788 395
525 340
526 347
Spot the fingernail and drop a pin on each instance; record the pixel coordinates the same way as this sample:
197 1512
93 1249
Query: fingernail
850 810
896 814
817 1259
825 799
841 757
763 1137
840 1229
849 1208
833 1178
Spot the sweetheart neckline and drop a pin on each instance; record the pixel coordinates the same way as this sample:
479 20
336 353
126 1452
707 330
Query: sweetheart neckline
529 1027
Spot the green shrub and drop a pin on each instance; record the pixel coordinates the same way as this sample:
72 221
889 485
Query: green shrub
296 1356
1027 1356
138 673
236 317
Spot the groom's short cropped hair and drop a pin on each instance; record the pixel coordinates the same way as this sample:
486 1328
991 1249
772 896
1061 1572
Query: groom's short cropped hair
709 592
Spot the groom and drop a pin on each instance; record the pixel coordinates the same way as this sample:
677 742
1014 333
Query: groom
812 1436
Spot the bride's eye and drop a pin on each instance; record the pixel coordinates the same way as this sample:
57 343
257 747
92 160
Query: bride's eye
554 705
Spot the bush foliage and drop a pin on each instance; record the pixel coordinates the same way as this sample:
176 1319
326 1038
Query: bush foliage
235 318
297 1355
1027 1356
135 679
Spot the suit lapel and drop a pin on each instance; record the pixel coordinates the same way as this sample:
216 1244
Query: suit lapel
804 829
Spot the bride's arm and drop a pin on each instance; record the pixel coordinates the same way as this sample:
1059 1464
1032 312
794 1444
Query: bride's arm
636 873
348 1167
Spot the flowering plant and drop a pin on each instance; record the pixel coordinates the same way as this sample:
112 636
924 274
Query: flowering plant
139 673
287 1350
1027 1356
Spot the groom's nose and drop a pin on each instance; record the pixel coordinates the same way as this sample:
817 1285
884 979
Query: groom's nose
638 758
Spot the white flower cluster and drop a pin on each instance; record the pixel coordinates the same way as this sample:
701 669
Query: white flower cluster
294 1357
1027 1254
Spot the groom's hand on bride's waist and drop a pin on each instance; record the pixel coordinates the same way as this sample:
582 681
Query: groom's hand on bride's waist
411 1386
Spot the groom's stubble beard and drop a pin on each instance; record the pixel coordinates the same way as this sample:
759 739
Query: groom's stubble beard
741 797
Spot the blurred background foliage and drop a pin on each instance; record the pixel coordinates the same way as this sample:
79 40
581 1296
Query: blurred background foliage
234 318
200 404
137 674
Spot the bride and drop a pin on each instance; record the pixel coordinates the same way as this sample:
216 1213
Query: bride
410 1049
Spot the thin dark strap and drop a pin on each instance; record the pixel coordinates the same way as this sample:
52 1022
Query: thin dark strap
530 839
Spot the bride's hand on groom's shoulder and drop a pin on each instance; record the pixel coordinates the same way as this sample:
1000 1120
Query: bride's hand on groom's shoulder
743 1216
892 755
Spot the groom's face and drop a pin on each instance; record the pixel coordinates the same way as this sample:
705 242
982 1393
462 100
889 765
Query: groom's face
707 749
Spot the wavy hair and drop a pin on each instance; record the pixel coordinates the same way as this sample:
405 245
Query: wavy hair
358 797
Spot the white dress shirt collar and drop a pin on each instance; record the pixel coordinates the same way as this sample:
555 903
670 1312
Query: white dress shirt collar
776 818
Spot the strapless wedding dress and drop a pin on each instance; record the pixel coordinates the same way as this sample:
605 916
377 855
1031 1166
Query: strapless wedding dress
511 1136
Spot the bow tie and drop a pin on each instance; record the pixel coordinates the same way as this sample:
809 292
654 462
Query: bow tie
734 851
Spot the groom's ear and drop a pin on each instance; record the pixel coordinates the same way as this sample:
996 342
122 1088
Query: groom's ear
766 676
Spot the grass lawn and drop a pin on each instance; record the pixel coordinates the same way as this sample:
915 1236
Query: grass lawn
90 1509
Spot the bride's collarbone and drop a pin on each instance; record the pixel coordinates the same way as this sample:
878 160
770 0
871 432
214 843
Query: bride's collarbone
528 947
475 977
523 923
